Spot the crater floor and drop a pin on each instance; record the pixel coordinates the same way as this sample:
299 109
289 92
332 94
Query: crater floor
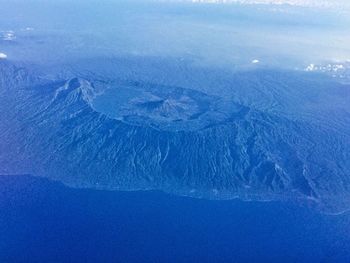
165 108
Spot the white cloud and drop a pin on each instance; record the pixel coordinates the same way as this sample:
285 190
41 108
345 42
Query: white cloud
255 61
313 3
310 67
3 56
330 67
7 35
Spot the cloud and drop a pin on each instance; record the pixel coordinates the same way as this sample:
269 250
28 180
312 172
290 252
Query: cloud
310 3
7 35
3 56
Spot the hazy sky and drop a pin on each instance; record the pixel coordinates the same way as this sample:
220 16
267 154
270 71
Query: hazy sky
237 35
315 3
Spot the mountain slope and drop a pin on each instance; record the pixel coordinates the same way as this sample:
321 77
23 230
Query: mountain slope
51 129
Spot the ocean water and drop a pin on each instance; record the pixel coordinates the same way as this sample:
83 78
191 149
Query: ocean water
44 221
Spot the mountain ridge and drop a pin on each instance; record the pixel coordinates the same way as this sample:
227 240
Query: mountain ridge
53 131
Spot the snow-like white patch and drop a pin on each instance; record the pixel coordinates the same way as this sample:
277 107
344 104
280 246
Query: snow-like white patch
8 35
336 69
325 68
3 56
310 67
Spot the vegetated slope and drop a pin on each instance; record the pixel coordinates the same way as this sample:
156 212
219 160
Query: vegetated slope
50 128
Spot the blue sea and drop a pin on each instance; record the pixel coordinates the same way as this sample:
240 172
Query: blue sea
44 221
